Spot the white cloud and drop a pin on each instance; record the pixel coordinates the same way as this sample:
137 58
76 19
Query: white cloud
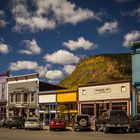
132 13
69 69
135 12
67 12
2 14
48 14
80 43
2 21
41 70
54 74
4 48
108 28
131 37
61 57
29 65
23 65
32 48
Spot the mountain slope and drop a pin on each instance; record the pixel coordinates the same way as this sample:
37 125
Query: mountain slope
100 68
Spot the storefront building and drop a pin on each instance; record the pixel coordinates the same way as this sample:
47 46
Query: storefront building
22 95
47 105
135 78
67 105
3 95
94 99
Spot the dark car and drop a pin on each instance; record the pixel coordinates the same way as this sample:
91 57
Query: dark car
57 123
15 122
113 120
82 122
135 123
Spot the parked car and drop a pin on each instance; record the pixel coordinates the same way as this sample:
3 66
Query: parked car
1 123
33 123
15 121
82 122
135 123
57 123
113 120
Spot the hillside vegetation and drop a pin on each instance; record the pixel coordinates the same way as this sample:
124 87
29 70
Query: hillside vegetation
98 69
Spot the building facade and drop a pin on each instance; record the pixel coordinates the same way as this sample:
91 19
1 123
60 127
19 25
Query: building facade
3 95
67 105
58 103
135 78
22 95
47 105
94 99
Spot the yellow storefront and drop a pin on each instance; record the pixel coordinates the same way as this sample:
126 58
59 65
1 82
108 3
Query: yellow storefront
67 104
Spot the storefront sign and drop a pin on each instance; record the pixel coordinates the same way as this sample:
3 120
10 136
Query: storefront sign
102 90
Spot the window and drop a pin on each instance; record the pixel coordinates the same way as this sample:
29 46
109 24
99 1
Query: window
119 106
72 106
42 107
32 97
12 97
123 88
18 97
1 109
25 99
53 107
87 109
83 92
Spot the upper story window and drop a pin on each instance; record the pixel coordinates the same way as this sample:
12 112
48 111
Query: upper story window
123 88
83 92
32 97
18 97
12 97
25 97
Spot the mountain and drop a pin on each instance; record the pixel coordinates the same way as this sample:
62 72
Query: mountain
98 69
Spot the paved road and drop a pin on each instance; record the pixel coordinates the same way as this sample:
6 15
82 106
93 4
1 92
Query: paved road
21 134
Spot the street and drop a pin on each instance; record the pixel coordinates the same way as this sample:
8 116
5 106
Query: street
21 134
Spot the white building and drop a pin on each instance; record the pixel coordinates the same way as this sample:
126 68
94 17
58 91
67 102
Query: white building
22 95
94 99
47 105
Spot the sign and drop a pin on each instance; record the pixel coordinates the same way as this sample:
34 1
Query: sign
102 90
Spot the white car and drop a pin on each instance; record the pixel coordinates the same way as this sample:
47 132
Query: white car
33 123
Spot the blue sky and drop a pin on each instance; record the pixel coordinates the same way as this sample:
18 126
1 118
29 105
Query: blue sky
51 36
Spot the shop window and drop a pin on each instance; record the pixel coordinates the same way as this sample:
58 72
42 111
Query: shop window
123 88
42 107
87 109
47 107
67 106
83 92
73 106
119 106
53 107
32 97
